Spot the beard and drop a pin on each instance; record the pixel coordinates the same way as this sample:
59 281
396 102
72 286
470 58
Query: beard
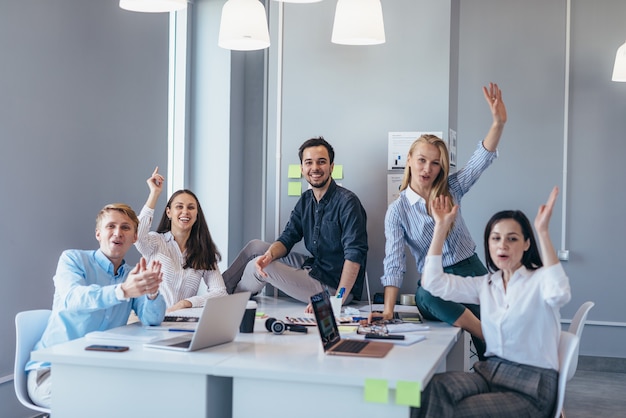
321 184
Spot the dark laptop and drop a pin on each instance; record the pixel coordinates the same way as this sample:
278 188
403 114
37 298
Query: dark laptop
329 333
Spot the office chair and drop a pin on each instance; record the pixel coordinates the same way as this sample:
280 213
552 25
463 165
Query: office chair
578 322
576 328
29 326
568 352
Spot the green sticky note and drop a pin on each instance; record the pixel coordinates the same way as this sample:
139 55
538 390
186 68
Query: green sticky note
338 171
294 171
295 188
408 393
376 390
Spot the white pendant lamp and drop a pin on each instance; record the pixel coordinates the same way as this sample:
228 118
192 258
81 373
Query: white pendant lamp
153 6
358 22
619 69
298 1
243 26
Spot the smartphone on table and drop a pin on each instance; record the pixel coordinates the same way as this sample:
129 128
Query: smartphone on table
113 348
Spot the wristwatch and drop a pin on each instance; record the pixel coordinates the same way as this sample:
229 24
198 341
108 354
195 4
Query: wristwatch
119 294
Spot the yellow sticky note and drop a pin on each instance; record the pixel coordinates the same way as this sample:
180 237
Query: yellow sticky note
347 329
293 171
408 393
295 188
338 171
376 390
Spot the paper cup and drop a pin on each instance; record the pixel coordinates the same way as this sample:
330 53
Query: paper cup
407 299
335 302
247 323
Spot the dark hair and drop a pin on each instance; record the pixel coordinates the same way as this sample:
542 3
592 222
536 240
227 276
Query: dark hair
202 253
531 258
316 142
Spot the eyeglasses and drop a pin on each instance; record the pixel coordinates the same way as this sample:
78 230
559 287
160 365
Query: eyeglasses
377 327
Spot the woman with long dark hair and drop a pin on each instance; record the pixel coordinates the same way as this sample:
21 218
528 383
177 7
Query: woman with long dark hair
520 300
183 245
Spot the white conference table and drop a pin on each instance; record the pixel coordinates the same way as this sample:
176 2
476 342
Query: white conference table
257 375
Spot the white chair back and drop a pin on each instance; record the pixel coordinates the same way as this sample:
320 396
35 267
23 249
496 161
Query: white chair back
29 326
568 351
578 322
576 328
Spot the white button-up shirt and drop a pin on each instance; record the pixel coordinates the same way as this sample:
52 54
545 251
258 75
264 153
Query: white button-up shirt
520 323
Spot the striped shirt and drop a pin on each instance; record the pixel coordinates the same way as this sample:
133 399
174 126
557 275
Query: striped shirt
407 223
178 283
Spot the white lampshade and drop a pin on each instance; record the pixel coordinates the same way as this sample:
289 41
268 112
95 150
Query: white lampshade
298 1
243 26
358 22
619 69
153 6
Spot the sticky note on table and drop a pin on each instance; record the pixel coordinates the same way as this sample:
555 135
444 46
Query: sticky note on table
376 390
294 171
338 171
295 188
408 393
347 329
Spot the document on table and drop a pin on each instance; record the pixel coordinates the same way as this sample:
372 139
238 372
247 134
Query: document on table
406 327
409 339
134 332
379 307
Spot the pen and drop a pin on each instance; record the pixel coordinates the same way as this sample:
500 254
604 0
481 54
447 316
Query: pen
340 293
180 330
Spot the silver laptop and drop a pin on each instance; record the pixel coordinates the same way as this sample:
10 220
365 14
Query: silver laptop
329 333
218 324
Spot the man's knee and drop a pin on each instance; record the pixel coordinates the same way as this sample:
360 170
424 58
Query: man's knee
256 247
39 384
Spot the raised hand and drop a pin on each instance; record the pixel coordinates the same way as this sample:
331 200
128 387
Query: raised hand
442 211
542 220
155 182
493 96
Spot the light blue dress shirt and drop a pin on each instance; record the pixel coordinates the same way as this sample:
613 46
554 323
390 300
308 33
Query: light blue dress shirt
407 223
85 301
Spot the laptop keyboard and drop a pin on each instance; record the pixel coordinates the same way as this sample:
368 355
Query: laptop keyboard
350 346
184 344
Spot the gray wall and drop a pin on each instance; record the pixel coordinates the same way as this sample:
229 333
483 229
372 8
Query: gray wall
522 46
83 121
428 72
353 96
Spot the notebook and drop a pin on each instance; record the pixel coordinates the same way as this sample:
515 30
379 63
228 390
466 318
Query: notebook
218 324
329 333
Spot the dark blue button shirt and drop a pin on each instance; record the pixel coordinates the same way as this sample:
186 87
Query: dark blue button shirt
334 230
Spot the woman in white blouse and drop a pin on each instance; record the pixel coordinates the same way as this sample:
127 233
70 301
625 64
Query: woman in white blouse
183 245
519 305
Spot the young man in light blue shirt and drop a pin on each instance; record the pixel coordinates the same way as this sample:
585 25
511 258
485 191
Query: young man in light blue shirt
95 290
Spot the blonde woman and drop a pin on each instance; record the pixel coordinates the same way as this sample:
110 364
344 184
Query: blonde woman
408 221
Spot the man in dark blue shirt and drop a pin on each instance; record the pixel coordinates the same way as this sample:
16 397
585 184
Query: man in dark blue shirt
332 222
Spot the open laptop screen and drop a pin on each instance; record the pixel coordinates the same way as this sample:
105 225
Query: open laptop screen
325 319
